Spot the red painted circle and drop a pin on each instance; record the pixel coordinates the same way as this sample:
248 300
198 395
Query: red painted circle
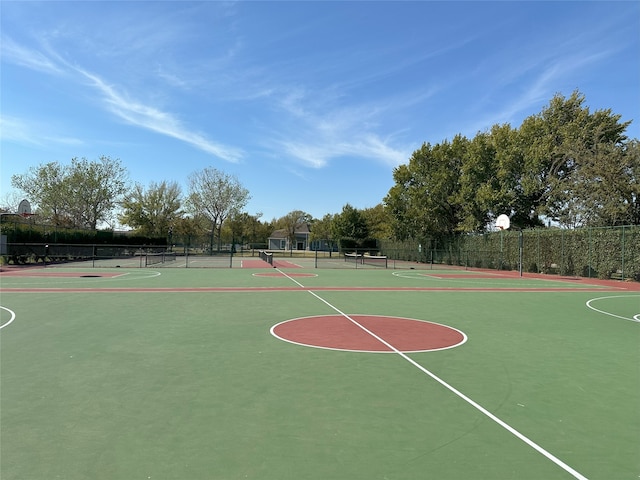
368 333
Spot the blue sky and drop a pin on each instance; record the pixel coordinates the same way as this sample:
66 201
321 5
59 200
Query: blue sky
309 104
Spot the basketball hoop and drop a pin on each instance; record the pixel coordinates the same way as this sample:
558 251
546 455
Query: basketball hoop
503 222
24 209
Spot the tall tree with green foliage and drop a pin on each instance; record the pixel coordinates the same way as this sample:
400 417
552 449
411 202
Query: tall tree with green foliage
324 230
187 228
425 200
603 189
351 227
82 194
564 154
96 188
292 222
248 228
154 210
489 179
44 186
378 222
566 164
215 195
245 228
479 185
632 200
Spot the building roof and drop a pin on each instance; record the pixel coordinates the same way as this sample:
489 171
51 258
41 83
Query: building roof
302 230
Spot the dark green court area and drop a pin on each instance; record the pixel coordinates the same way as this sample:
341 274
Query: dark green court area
174 373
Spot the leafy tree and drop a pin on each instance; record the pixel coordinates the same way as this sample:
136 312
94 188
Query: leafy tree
566 164
351 226
425 200
81 194
95 188
603 189
245 228
557 144
45 186
632 201
405 223
187 228
324 230
216 196
479 185
152 211
378 222
256 231
292 222
510 197
489 181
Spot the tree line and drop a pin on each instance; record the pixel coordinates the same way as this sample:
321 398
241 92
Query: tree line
566 165
86 194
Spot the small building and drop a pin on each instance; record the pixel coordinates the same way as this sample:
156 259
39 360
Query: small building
279 239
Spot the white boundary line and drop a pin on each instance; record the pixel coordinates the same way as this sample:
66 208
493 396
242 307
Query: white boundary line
635 318
522 282
13 317
124 276
475 405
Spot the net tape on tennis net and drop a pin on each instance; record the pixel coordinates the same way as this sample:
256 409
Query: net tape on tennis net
359 258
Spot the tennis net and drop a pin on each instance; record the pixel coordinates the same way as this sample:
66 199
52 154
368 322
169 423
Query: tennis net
157 258
266 256
362 259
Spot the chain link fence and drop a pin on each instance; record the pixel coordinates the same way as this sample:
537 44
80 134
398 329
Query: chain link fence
605 252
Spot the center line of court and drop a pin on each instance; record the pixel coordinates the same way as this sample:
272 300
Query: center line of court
461 395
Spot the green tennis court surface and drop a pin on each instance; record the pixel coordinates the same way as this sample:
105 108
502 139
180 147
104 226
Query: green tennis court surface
300 373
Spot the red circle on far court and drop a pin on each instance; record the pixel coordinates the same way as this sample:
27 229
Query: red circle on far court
368 333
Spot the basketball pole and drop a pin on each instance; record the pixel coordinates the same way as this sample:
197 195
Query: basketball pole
520 248
501 246
502 222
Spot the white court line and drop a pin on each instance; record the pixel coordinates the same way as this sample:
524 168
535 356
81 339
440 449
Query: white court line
122 277
635 318
477 406
13 317
522 282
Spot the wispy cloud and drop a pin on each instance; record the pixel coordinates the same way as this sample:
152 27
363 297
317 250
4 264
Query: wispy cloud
318 151
170 78
130 110
28 58
14 129
538 77
317 132
153 119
